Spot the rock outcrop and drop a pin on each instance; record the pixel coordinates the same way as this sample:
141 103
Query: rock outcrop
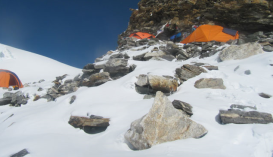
162 124
14 99
214 83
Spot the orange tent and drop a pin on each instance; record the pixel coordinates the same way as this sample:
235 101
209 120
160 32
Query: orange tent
206 33
141 35
8 78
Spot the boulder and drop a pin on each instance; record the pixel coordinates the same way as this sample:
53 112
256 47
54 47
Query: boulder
142 80
187 108
236 52
168 57
162 124
241 117
264 95
96 79
189 71
214 83
139 57
21 153
149 55
116 67
268 48
5 101
159 83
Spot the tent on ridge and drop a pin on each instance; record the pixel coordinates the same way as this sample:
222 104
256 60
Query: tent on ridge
8 78
142 35
206 33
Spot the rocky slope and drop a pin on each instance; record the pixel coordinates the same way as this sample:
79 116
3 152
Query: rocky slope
245 15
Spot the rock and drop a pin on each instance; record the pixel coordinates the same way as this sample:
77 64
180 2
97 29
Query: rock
187 108
236 52
210 67
96 117
132 67
119 55
162 124
189 71
236 68
72 99
142 80
242 107
159 83
149 55
20 153
148 96
268 48
36 97
96 79
7 95
214 83
42 80
247 72
5 101
79 122
116 67
40 89
99 66
264 95
241 117
139 57
168 57
126 56
59 78
172 48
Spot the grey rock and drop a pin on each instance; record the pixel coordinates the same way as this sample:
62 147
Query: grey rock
142 80
264 95
241 117
144 90
148 96
99 66
247 72
210 67
7 95
119 55
72 99
16 96
40 89
236 52
96 79
89 66
159 83
268 48
162 124
237 68
214 83
116 67
79 122
59 78
187 108
139 57
96 117
126 56
41 81
68 81
21 153
234 106
5 101
189 71
168 57
149 55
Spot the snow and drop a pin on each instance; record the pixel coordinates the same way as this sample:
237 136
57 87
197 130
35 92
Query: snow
42 127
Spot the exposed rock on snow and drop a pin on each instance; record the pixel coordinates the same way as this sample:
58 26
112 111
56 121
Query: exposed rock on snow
187 108
5 101
96 79
94 124
211 67
150 84
21 153
149 55
116 67
162 124
235 106
264 95
189 71
14 99
240 51
241 117
214 83
72 99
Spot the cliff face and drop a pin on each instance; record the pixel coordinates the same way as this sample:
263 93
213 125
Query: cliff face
242 15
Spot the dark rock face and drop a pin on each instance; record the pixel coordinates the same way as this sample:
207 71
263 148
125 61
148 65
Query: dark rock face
188 71
247 15
187 108
92 125
116 67
240 117
21 153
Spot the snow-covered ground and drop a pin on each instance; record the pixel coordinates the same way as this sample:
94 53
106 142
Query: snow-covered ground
42 127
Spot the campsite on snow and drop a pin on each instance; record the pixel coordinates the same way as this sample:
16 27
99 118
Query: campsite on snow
178 86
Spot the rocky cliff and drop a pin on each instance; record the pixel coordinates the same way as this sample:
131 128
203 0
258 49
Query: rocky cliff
243 15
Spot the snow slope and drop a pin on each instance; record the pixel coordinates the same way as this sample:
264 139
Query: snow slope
42 127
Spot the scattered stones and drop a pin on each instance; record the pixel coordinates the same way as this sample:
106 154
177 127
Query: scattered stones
236 52
94 124
214 83
21 153
264 95
150 84
72 99
188 71
247 72
162 124
235 106
187 108
241 117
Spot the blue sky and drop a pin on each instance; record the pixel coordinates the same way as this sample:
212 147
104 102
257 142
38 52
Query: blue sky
74 32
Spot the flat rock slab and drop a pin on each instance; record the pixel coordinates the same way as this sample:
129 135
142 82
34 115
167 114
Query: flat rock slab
162 124
159 83
264 95
79 122
21 153
210 67
189 71
241 117
214 83
187 108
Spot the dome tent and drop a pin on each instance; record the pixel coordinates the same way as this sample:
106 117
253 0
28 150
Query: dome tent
206 33
142 35
8 78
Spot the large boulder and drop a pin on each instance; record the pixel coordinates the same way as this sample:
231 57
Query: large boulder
96 79
162 124
214 83
189 71
116 67
150 55
236 52
241 117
